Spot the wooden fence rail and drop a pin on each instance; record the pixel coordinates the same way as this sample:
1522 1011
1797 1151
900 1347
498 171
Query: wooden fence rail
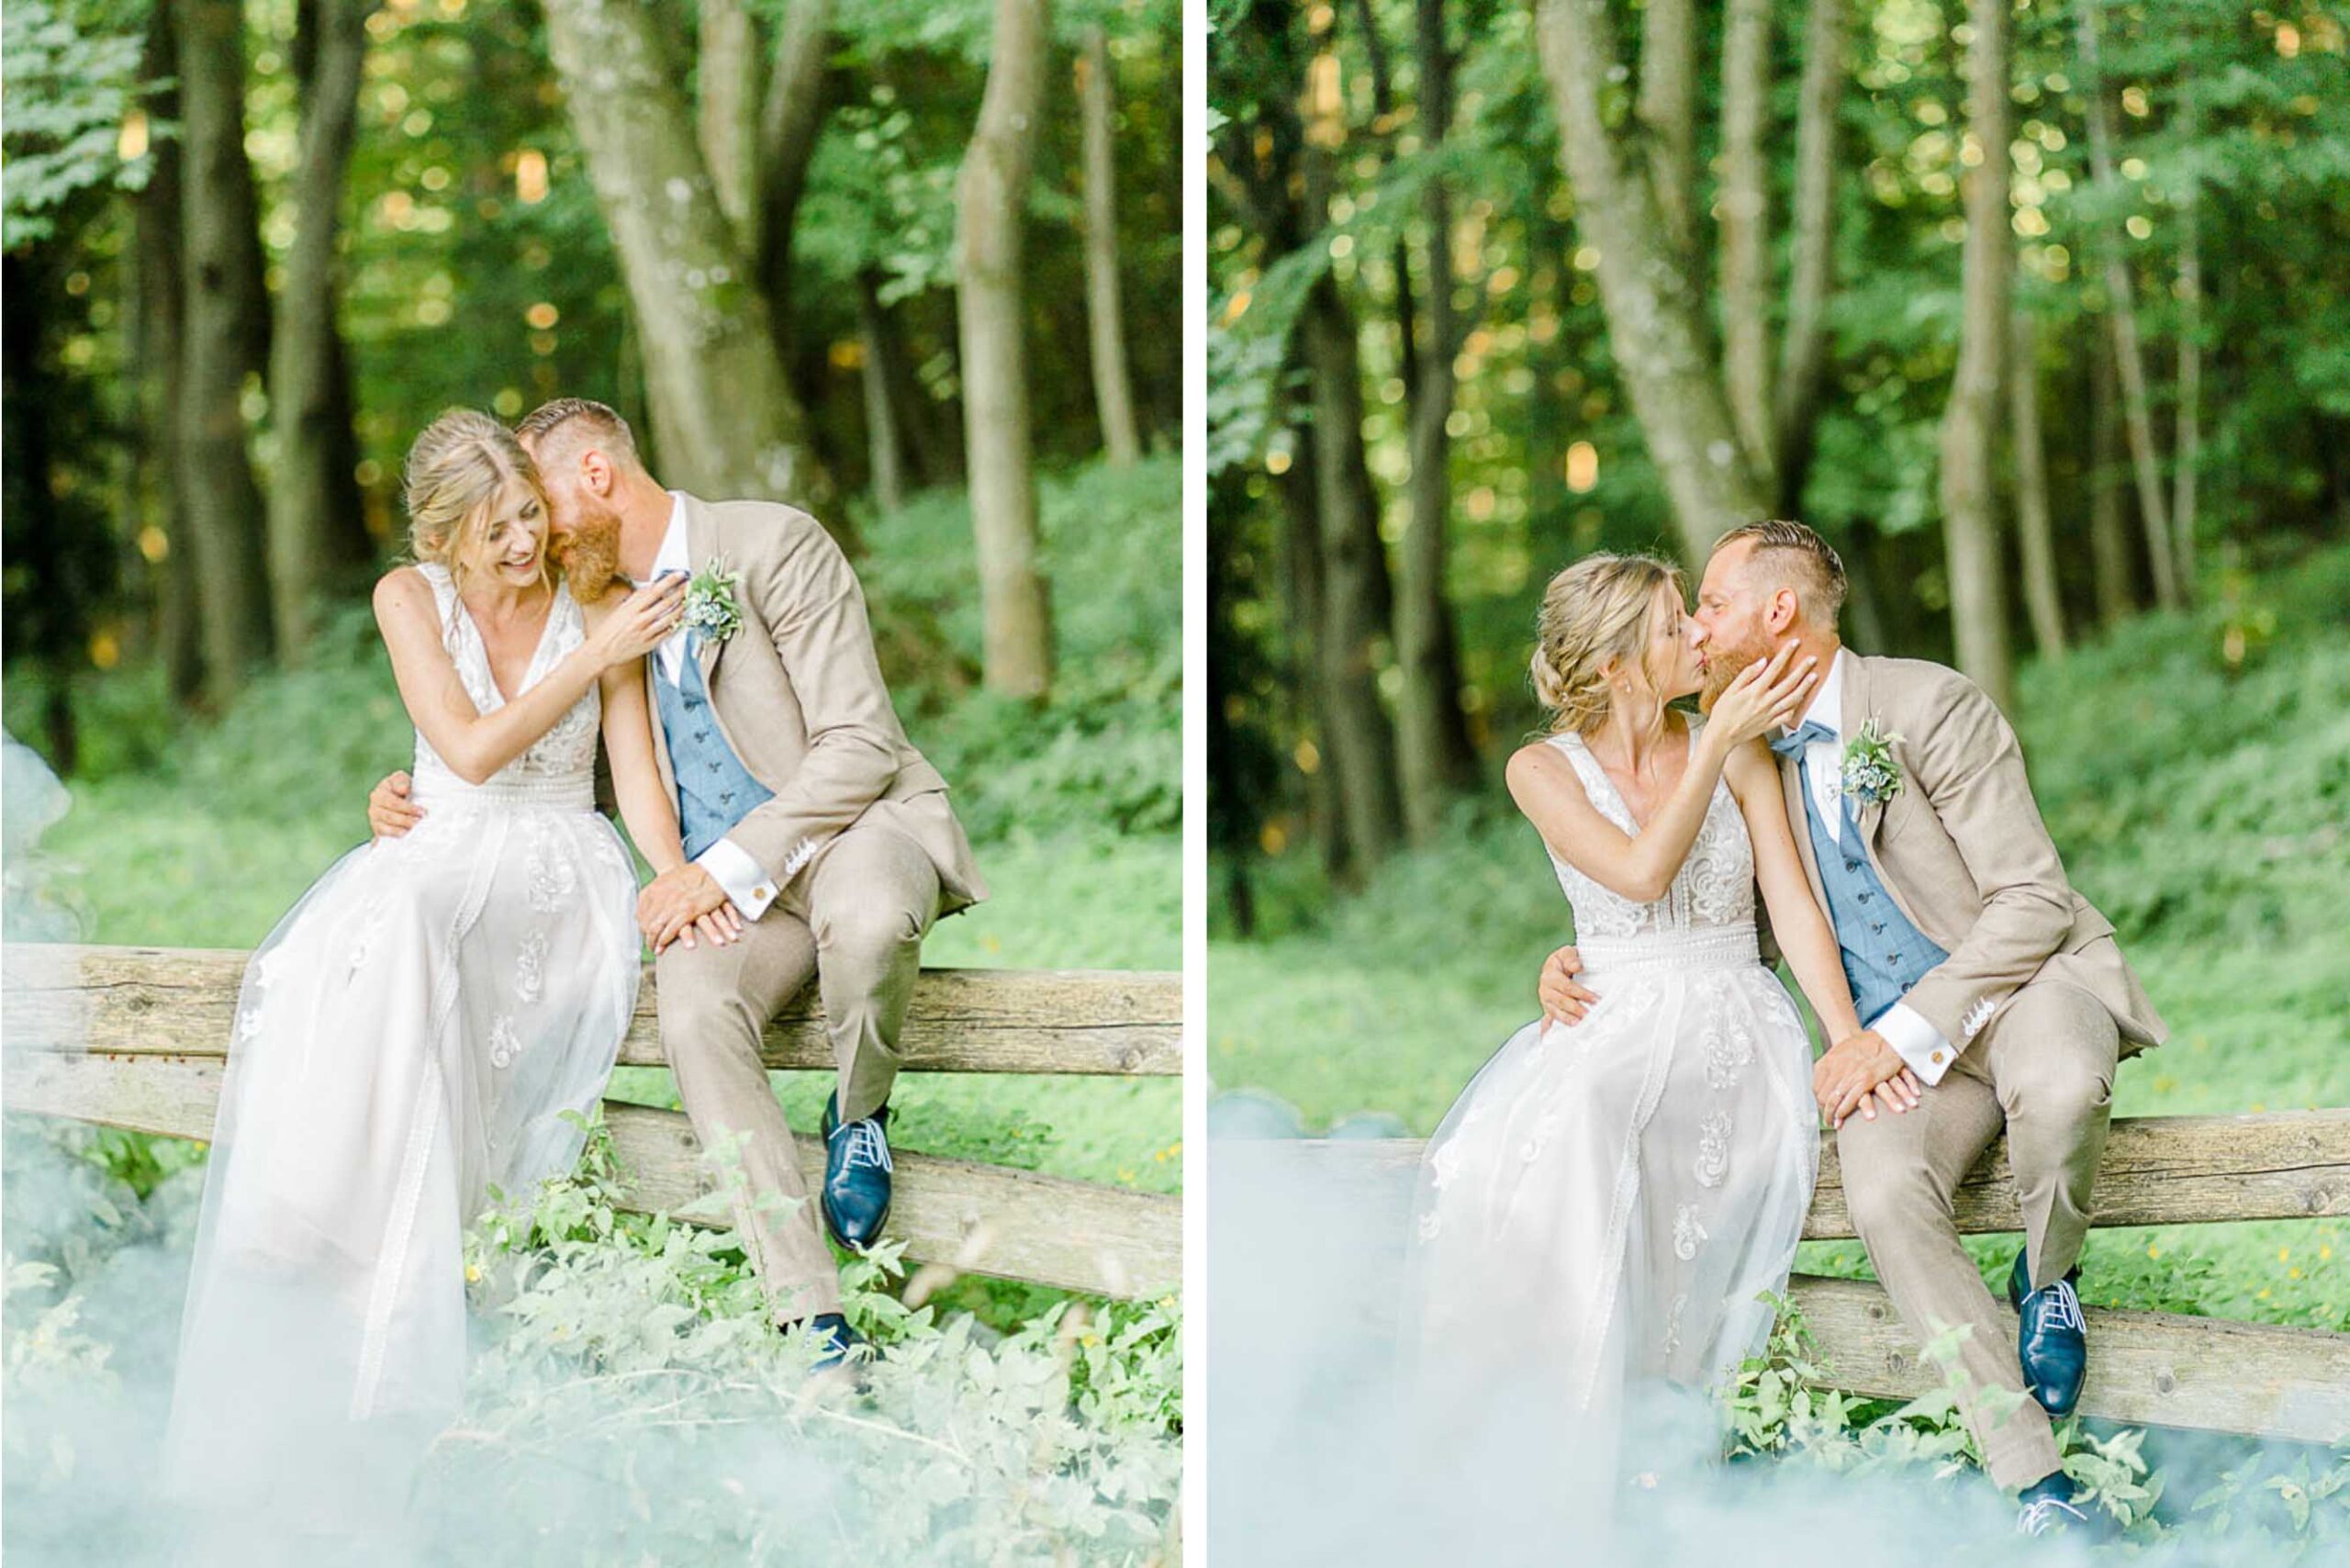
2156 1367
137 1037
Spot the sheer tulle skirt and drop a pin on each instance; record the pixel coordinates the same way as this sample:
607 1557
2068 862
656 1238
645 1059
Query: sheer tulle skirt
1604 1204
407 1042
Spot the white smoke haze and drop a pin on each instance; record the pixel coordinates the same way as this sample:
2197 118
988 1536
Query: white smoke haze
1318 1459
627 1404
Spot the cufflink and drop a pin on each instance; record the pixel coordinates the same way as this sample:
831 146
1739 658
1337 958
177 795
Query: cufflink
763 892
1936 1058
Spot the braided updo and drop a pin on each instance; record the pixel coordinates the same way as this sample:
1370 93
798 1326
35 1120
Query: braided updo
457 469
1599 609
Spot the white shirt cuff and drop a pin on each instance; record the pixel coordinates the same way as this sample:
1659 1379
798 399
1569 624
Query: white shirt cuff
1915 1041
745 880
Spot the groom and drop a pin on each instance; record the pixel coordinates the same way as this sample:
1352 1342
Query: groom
1996 996
803 804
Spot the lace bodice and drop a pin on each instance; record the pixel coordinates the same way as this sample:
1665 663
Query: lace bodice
1715 886
559 768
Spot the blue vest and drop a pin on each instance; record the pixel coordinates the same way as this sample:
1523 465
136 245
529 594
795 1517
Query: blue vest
714 789
1883 954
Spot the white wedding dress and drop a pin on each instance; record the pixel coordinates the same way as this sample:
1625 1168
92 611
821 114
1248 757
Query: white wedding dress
408 1041
1598 1213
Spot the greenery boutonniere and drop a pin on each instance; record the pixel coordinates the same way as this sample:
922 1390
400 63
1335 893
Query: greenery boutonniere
709 601
1871 775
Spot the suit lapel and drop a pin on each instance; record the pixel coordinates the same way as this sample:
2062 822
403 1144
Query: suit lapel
1856 710
1860 696
1799 821
699 548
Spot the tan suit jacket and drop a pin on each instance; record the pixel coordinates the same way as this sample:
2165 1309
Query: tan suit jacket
1964 853
797 693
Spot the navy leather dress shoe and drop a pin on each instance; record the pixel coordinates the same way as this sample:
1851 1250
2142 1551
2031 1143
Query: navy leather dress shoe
856 1176
2051 1340
839 1343
2052 1507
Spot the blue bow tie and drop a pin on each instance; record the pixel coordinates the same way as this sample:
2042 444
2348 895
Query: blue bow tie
1810 729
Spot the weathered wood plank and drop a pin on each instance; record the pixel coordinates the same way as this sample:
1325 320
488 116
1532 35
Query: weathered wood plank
2159 1171
2151 1367
979 1218
2156 1171
175 1001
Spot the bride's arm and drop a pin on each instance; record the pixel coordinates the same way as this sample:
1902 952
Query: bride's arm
646 805
1638 865
476 745
1803 931
636 780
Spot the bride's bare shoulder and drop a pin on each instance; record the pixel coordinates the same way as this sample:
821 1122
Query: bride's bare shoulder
403 591
1539 767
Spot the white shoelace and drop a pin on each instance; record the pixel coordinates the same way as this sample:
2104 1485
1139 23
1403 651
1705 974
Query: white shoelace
2039 1516
866 1145
2064 1307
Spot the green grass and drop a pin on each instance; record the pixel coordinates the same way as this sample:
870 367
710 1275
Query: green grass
202 835
2202 800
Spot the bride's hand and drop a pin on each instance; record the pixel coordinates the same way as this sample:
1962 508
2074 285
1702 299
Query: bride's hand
642 621
1767 694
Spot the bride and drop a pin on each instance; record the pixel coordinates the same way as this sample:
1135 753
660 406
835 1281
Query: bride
1598 1213
416 1033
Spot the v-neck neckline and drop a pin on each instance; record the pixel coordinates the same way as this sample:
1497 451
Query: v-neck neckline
538 649
1689 732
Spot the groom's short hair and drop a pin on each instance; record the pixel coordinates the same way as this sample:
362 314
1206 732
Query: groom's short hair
1815 571
580 419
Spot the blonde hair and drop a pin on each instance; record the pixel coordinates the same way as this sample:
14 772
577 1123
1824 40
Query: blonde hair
459 466
1600 609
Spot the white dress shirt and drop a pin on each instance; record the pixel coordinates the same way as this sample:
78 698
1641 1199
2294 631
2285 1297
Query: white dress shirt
734 869
1915 1040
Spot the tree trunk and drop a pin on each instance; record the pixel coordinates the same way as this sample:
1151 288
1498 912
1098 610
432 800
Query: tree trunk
2108 538
1358 746
216 476
885 449
2035 529
727 79
1302 625
1652 307
789 122
1970 424
2187 450
1746 230
156 351
1436 755
990 200
2123 315
1668 112
1802 356
314 502
728 423
1112 387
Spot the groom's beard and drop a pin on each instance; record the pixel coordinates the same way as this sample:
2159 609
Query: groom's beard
590 559
1722 665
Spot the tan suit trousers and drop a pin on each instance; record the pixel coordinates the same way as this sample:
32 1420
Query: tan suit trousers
855 923
2042 1070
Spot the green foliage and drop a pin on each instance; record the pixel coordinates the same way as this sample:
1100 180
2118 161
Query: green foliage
72 68
2294 1505
1106 748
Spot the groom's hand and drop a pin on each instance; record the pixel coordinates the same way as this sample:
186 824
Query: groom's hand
390 812
1857 1072
1563 999
677 903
